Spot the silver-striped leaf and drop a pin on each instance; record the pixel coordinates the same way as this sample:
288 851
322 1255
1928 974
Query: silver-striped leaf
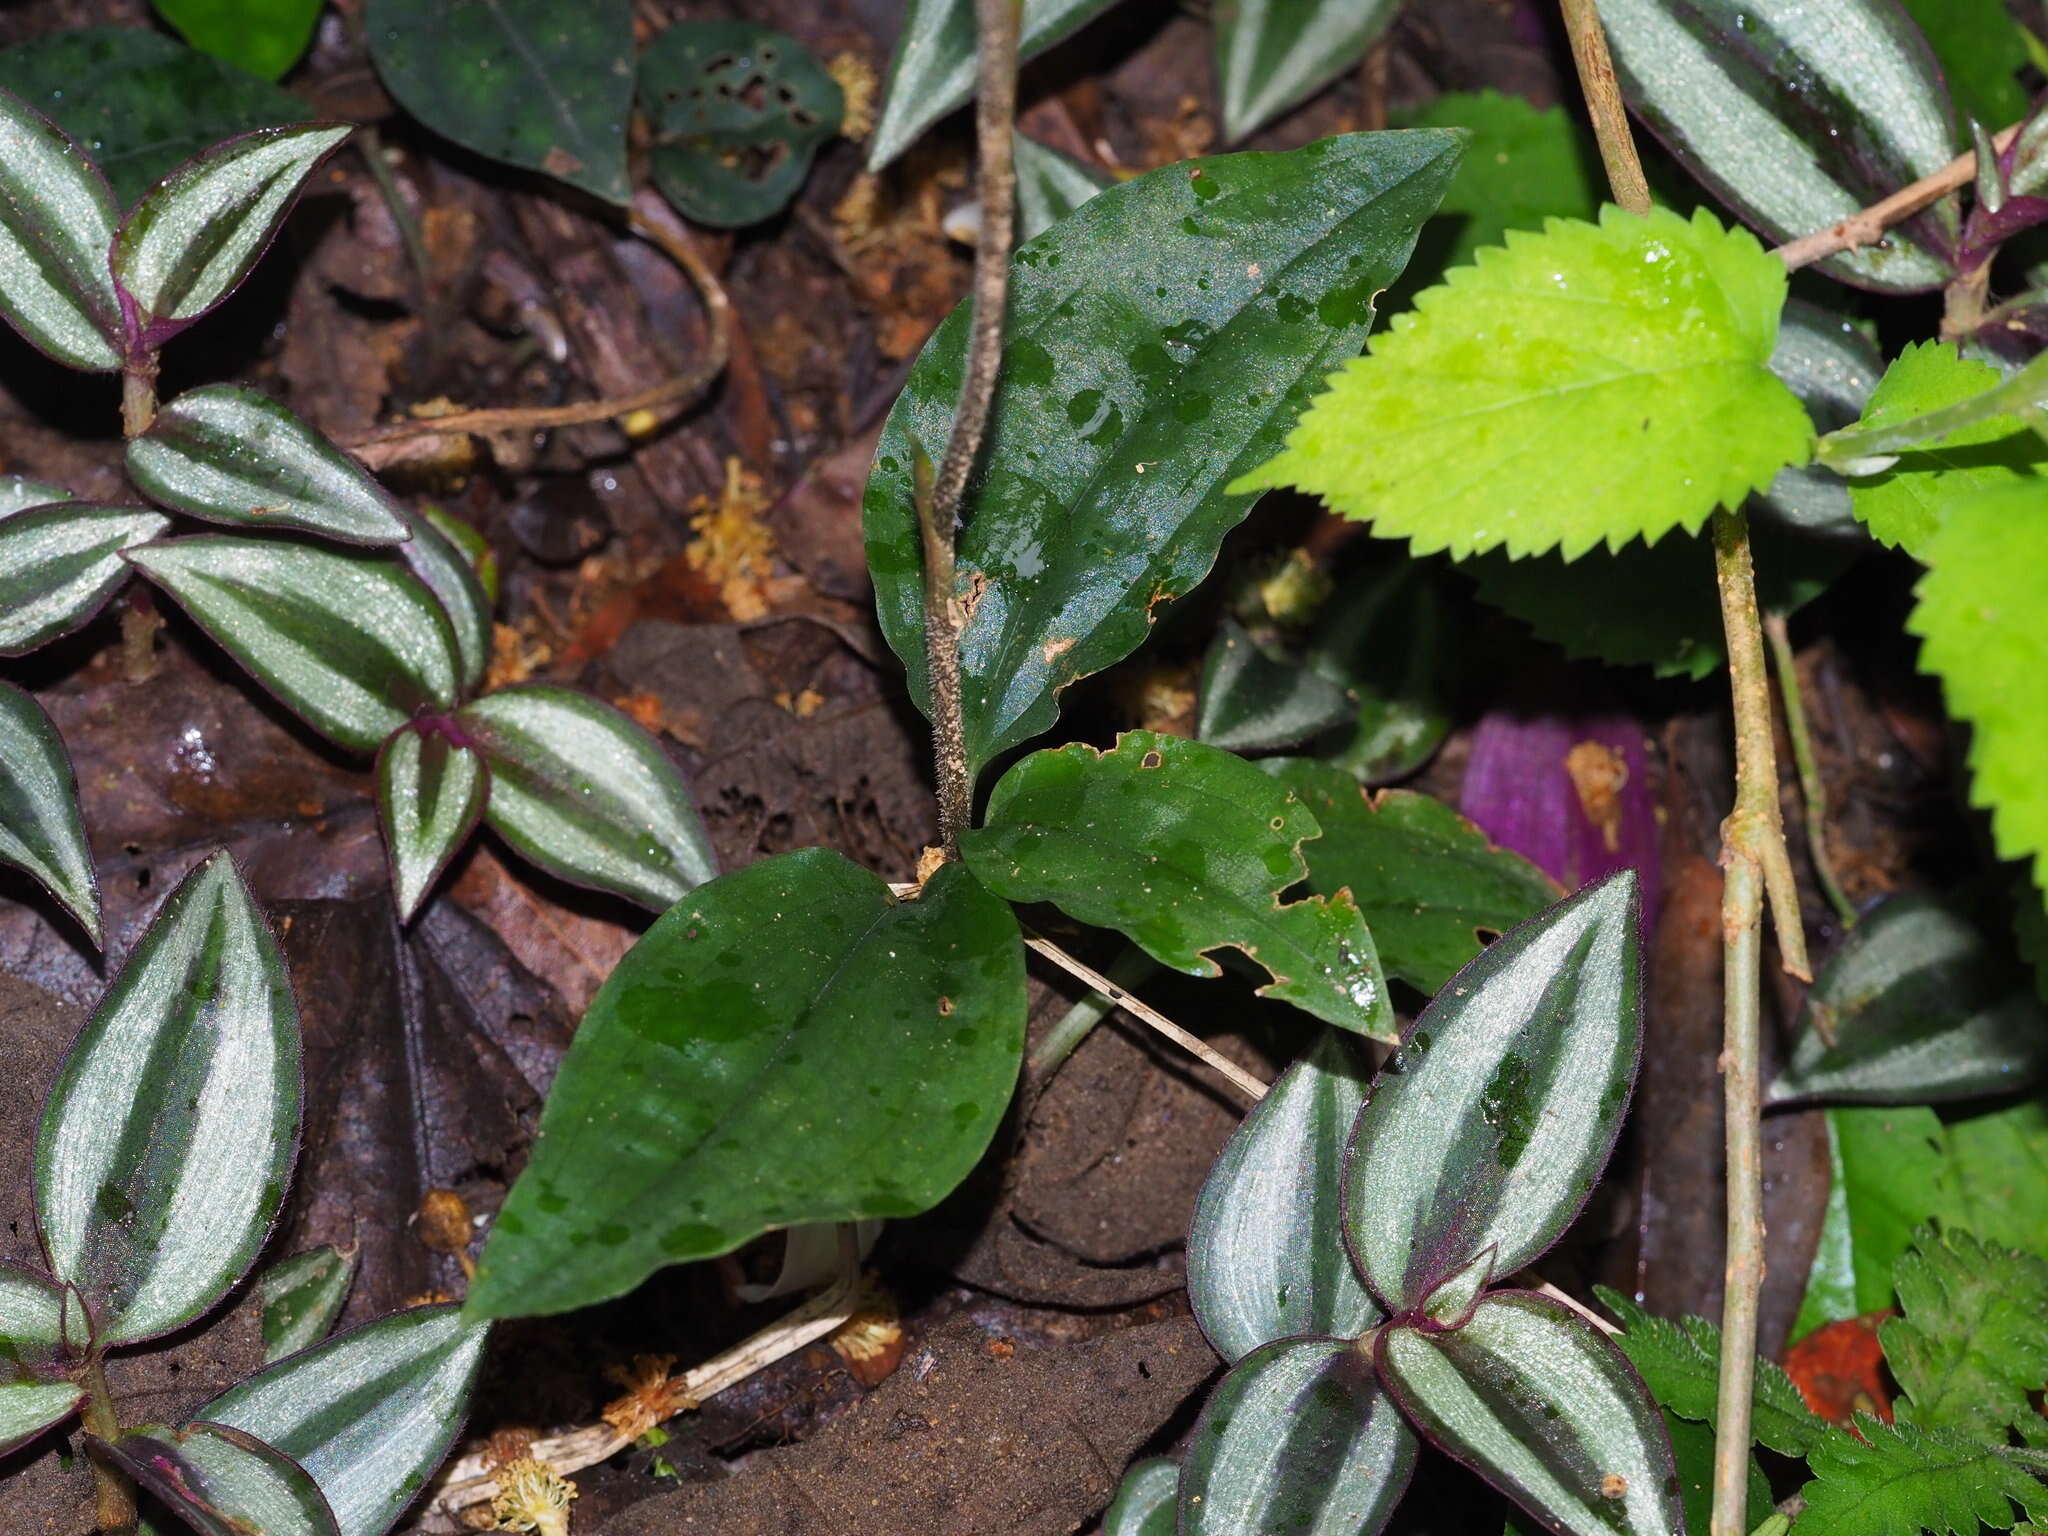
194 236
41 831
431 790
223 1482
1537 1401
1266 1253
57 218
167 1141
1490 1124
932 69
60 562
450 573
370 1413
302 1299
1050 186
1274 54
234 455
1145 1500
1922 1008
588 795
1832 367
350 640
1798 115
18 493
32 1397
1299 1437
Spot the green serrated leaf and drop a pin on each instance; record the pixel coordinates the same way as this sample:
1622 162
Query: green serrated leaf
1251 701
737 111
1681 1361
1899 1477
1184 849
1905 505
18 493
587 794
1984 633
233 455
41 831
1299 1437
1266 1254
789 1044
1431 886
32 1335
1160 338
302 1299
194 236
222 1482
1977 43
57 219
1551 374
431 790
1274 54
168 1137
1797 117
1050 186
369 1414
351 642
533 83
1144 1502
1922 1008
1389 638
264 37
932 70
1833 367
1492 1122
59 564
140 103
1968 1347
1544 1407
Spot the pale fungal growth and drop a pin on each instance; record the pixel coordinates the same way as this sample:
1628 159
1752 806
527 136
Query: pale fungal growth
532 1496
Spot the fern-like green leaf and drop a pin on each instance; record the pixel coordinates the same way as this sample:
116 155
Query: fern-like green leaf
1681 1364
1586 385
1969 1345
1902 1478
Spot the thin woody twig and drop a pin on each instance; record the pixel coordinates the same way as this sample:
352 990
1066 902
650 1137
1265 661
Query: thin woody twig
1867 227
1604 104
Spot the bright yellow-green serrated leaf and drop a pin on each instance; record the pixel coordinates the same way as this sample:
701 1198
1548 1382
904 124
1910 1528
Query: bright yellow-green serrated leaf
1588 384
1904 505
1984 630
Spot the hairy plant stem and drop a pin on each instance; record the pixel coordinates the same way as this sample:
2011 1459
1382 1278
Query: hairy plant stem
939 493
1813 789
113 1489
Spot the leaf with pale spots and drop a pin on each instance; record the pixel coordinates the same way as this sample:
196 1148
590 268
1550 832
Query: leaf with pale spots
1185 849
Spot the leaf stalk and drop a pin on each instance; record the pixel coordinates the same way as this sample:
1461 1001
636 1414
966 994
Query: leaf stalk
113 1491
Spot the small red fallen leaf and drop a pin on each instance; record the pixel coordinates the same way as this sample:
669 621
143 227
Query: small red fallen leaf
1839 1369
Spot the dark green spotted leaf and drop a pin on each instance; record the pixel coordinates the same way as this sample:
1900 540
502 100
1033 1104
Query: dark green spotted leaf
32 1396
168 1137
194 236
1253 701
1050 186
1797 116
458 568
1163 338
351 643
1389 638
587 794
1299 1437
1431 886
788 1044
302 1299
18 493
534 83
1274 54
56 221
369 1414
59 563
41 831
932 69
1266 1253
264 37
1537 1401
1184 849
1490 1125
431 790
140 103
1144 1502
1921 1007
737 110
223 1482
232 455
